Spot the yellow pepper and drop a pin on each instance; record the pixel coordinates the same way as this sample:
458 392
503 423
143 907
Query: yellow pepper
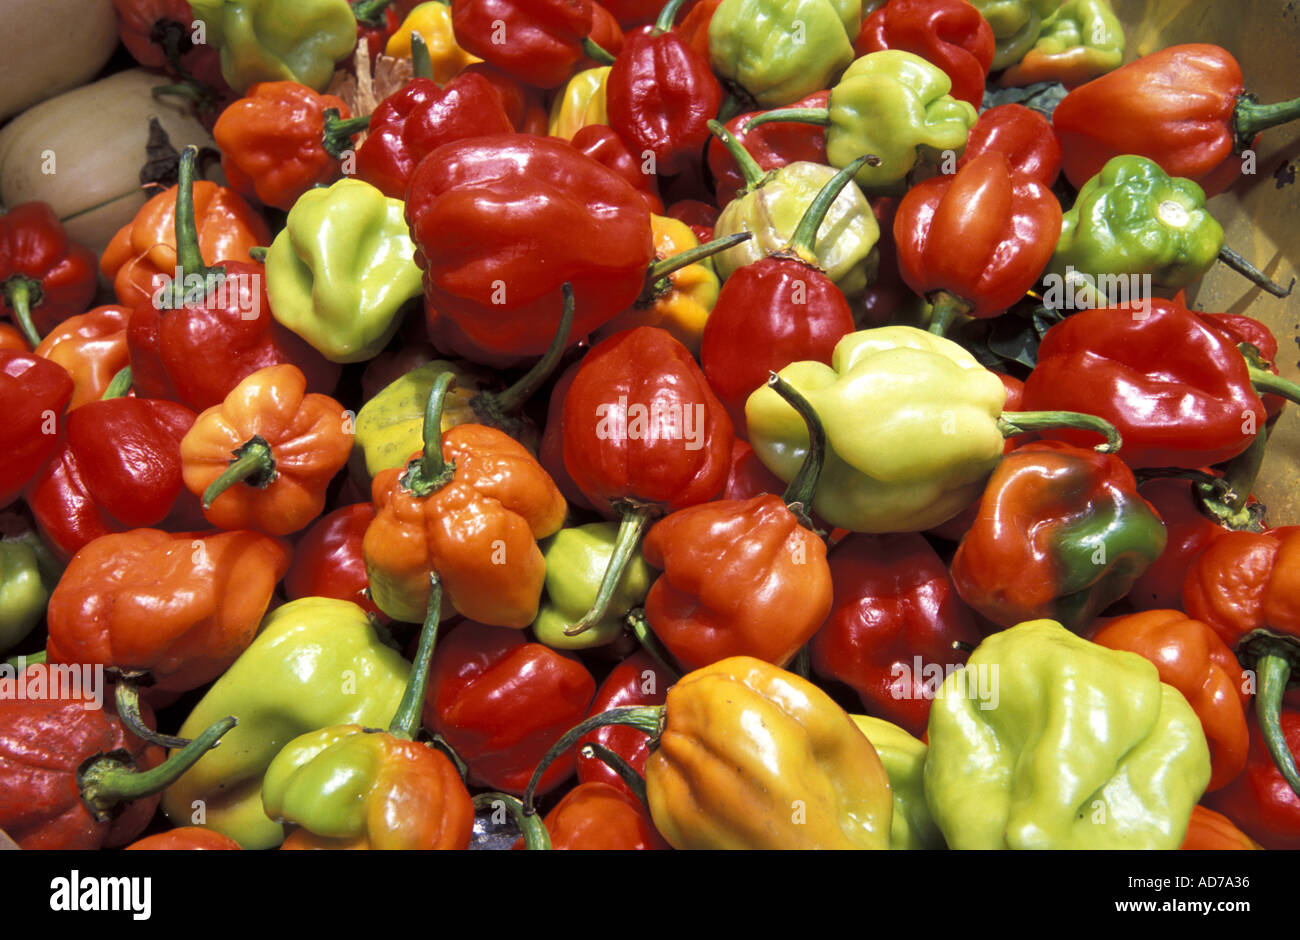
433 22
581 103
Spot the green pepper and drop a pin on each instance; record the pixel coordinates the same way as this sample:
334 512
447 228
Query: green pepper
904 759
778 51
1134 219
28 573
316 662
1081 40
341 269
1016 24
576 560
1047 741
278 40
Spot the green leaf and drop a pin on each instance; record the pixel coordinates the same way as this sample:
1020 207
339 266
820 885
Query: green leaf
1043 97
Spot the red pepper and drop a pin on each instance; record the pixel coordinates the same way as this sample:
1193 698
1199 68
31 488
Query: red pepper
189 838
631 13
539 42
501 702
771 145
596 816
975 241
501 222
118 468
44 276
34 393
1211 831
1260 801
694 28
602 144
637 680
1020 134
1189 530
550 452
747 476
159 34
1183 107
700 217
606 33
661 94
327 561
418 119
1237 329
374 26
525 105
893 626
948 33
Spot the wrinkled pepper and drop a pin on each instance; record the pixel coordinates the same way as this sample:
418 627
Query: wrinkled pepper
1016 24
581 103
576 559
433 22
1081 40
34 393
45 277
92 347
948 33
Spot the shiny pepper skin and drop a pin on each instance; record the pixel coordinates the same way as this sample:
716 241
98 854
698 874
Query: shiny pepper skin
1259 800
544 37
34 393
92 347
771 145
192 838
1020 134
948 33
596 816
637 680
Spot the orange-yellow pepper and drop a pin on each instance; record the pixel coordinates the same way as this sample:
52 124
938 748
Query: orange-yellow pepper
92 347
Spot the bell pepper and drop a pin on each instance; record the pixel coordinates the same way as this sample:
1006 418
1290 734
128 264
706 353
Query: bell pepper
327 561
976 241
433 22
772 207
92 347
179 606
550 452
1016 25
263 458
661 94
1047 741
896 626
602 144
34 393
118 468
472 205
582 102
470 506
193 838
201 330
914 424
643 435
419 118
28 572
750 48
1081 40
1183 107
1260 800
1088 534
576 559
596 816
1175 387
751 332
748 756
903 757
45 277
281 139
1191 657
537 41
278 40
316 662
72 777
637 680
771 146
948 33
1213 831
341 269
501 702
1020 134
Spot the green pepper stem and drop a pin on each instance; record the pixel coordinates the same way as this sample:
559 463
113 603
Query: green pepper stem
683 259
1274 670
258 253
1011 423
945 309
106 780
805 234
1253 274
818 116
127 698
337 137
1250 118
370 12
421 63
667 16
749 167
640 626
799 494
530 824
630 530
513 398
199 94
646 718
429 472
253 464
1242 471
20 293
593 50
1266 381
27 659
119 385
615 762
406 722
189 258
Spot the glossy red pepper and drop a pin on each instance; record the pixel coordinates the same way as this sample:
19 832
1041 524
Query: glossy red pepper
1260 801
186 838
1020 134
1189 530
948 33
34 393
374 27
637 680
550 452
537 41
525 105
602 144
606 33
771 145
45 277
327 560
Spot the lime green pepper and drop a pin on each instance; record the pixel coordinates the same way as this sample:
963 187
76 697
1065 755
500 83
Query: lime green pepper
904 759
778 51
576 559
1081 40
316 662
28 572
341 269
1016 24
1134 219
1047 741
278 40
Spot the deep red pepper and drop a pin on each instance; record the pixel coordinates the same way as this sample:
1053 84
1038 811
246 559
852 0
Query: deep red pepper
948 33
602 144
637 680
550 452
1190 532
605 32
1020 134
892 626
747 477
328 562
1260 801
524 104
537 41
45 277
699 217
374 27
34 393
771 145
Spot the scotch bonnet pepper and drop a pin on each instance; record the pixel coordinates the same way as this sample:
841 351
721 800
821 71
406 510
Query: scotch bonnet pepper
576 559
45 277
903 757
949 33
1081 40
1016 26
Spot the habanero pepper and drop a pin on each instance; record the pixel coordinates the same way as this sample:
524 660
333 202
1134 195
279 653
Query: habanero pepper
1020 134
377 21
92 347
637 680
948 33
597 816
192 838
1211 831
904 758
580 104
576 559
28 572
45 277
1081 40
328 561
432 21
537 41
34 394
771 146
1261 801
525 105
606 147
1016 26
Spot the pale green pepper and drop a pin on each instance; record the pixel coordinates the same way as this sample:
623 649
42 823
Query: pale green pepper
576 560
904 759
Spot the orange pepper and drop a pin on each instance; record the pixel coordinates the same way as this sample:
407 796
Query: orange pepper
185 837
286 446
1210 830
601 817
12 338
92 347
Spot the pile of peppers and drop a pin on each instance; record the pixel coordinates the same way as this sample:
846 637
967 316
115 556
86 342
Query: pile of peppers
581 426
